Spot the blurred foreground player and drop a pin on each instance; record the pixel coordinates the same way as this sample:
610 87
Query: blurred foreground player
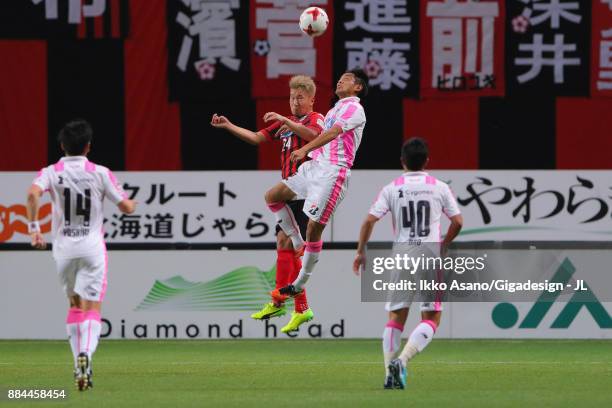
324 179
78 188
294 132
422 199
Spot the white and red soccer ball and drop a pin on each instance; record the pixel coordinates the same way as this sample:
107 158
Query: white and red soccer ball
314 21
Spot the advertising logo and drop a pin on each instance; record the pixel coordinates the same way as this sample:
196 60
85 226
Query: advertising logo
245 288
505 315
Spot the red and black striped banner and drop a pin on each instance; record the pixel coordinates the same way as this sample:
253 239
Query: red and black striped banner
521 84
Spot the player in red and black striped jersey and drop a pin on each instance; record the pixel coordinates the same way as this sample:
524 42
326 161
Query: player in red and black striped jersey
290 139
302 126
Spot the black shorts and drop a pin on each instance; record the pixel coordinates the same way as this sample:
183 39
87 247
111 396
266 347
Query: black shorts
301 218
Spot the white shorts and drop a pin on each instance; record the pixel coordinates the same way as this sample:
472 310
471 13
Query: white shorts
425 306
84 276
322 185
402 300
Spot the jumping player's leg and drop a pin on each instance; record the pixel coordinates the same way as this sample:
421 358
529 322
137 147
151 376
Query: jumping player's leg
313 246
300 301
284 259
302 312
276 199
329 184
285 269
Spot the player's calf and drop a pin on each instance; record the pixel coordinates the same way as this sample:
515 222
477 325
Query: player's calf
420 337
311 257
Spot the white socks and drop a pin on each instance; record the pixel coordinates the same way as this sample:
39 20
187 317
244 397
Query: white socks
391 342
287 222
90 329
419 339
310 259
73 319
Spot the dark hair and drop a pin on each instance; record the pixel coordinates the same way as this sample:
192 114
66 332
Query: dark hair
75 136
415 153
362 79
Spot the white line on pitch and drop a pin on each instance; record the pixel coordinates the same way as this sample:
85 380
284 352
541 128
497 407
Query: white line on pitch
254 363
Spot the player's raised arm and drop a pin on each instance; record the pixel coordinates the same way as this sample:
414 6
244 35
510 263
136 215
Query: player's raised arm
33 203
323 139
307 133
221 122
364 236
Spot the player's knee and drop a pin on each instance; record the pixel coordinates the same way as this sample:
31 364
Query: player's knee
274 194
75 301
399 316
433 316
269 196
314 231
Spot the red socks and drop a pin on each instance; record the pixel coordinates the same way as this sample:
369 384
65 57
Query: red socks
287 269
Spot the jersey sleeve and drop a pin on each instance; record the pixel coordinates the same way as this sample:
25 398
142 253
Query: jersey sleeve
449 202
381 205
270 131
351 117
316 123
43 180
112 188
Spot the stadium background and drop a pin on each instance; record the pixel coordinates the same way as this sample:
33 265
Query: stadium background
513 152
135 71
115 63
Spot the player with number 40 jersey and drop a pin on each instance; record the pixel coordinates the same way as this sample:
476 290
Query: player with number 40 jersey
416 202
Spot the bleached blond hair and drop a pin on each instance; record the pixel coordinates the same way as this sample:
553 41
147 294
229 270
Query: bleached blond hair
303 82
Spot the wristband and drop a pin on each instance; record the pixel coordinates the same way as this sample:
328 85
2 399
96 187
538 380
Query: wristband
33 226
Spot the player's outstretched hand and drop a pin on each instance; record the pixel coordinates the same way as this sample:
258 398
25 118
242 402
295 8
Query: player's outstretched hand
38 241
298 155
220 121
359 264
273 116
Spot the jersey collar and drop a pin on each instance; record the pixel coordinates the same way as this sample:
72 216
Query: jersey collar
73 158
416 173
348 99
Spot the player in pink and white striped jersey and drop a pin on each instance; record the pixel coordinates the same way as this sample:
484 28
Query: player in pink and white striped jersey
78 188
416 202
323 180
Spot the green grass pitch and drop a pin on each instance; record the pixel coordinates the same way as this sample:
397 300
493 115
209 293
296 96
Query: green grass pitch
316 373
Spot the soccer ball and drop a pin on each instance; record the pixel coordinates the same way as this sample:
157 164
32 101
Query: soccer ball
314 21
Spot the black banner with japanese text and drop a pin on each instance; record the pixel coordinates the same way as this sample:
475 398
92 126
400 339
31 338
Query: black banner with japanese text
208 58
548 47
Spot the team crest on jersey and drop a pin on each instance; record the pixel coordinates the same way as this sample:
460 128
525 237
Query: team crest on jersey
285 134
313 209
